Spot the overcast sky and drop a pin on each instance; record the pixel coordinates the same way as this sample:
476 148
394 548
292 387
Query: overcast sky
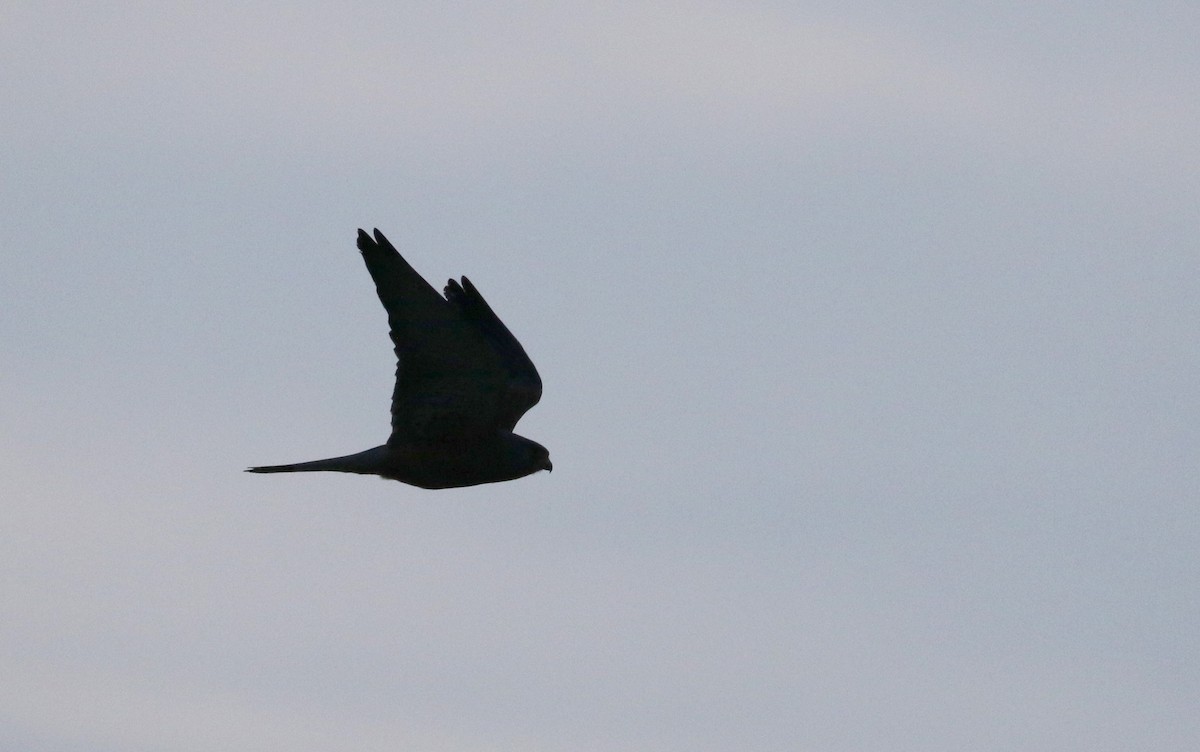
869 341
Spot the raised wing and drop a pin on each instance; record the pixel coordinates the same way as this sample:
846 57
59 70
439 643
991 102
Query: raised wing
451 382
524 386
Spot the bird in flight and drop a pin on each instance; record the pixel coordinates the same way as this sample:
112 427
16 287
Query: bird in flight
462 383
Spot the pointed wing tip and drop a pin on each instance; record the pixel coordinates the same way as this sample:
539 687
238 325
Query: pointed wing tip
380 241
456 287
364 241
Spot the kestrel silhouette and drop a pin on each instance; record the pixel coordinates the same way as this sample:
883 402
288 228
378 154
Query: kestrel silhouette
462 383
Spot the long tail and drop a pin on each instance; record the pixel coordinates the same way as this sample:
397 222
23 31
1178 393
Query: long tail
370 462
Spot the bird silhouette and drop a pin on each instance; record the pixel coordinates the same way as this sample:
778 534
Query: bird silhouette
462 383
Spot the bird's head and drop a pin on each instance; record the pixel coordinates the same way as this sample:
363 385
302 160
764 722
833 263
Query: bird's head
542 459
526 456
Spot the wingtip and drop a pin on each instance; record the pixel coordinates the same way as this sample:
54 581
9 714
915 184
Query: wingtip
364 241
379 242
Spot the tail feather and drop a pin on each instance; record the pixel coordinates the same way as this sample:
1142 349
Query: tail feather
370 462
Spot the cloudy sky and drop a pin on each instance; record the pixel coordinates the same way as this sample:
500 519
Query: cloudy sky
869 341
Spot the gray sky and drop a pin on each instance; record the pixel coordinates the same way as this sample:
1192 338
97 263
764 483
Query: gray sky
868 334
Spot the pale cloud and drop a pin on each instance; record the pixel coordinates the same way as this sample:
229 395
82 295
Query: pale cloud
120 711
366 76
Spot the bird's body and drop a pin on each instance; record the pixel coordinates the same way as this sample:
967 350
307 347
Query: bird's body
462 383
428 467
